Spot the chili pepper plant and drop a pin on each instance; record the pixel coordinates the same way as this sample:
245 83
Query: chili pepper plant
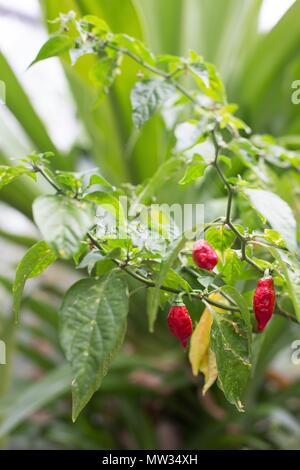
253 241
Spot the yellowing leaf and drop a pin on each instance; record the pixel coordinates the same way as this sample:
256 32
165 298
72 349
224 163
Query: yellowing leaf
201 357
200 341
208 367
218 298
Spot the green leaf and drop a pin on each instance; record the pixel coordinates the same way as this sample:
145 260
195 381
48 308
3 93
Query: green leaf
262 263
95 258
35 261
230 343
274 237
63 222
204 278
99 179
277 212
200 71
69 181
290 267
226 160
55 46
98 23
10 173
216 88
135 46
176 281
198 68
93 324
242 304
89 261
110 203
147 96
220 238
232 268
226 119
103 74
194 170
166 264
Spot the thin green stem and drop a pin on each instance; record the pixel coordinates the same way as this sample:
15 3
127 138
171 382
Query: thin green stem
40 170
253 241
220 305
228 221
246 258
236 231
216 288
282 313
152 69
172 290
222 176
150 283
229 206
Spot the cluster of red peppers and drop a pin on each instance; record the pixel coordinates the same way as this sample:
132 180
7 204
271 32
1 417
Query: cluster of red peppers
205 257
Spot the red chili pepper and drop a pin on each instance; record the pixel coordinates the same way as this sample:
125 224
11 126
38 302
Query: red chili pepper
264 301
204 255
180 323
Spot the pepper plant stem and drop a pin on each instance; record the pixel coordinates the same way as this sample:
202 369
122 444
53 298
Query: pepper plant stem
152 69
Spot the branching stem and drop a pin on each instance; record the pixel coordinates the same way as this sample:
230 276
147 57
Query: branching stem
52 183
152 69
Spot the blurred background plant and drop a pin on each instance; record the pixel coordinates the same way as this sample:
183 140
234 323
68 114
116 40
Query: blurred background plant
150 399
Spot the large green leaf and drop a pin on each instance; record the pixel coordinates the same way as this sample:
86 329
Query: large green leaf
277 212
147 96
63 222
35 261
230 342
93 325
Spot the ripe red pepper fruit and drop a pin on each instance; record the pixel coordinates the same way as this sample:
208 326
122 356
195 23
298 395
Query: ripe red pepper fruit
180 323
264 301
204 255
